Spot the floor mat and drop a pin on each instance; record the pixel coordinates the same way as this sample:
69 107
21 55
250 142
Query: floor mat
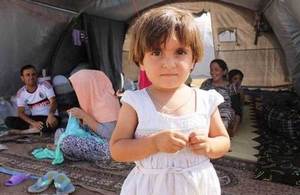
278 159
29 139
236 176
110 177
244 183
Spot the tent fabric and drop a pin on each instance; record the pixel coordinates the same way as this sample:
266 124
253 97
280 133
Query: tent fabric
255 5
283 23
32 29
28 35
260 67
263 64
120 10
67 5
67 55
294 7
105 52
284 17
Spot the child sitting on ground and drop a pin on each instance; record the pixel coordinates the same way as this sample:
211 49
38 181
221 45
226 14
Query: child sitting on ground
237 99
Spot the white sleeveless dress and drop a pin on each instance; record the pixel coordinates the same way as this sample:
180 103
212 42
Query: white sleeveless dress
180 173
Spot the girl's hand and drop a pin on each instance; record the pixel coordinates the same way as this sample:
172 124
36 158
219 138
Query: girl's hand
199 143
170 141
77 112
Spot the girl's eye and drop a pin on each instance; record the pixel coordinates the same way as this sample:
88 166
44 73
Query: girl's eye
156 52
181 51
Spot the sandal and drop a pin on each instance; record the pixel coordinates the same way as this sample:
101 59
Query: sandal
3 147
63 184
43 182
17 179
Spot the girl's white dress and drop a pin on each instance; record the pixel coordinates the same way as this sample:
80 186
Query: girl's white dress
180 173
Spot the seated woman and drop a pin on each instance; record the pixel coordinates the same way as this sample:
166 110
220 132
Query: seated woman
98 112
218 71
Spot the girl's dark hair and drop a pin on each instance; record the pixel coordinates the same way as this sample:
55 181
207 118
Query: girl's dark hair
222 65
234 72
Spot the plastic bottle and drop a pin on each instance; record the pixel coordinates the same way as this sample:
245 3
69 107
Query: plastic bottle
5 109
44 77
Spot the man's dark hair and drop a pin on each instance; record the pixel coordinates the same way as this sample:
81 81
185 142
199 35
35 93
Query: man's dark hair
25 67
234 72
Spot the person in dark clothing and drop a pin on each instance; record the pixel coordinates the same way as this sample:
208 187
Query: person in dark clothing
235 78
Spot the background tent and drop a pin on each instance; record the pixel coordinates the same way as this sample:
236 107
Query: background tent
262 62
40 32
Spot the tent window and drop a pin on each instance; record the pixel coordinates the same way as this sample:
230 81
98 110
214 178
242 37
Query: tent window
228 35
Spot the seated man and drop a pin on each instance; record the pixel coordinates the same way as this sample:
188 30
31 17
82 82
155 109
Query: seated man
40 99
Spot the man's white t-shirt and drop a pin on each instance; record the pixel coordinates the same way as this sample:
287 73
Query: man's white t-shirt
37 101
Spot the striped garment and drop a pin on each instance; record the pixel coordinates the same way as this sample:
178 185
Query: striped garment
226 111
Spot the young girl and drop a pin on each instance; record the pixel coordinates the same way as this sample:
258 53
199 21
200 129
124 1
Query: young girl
169 129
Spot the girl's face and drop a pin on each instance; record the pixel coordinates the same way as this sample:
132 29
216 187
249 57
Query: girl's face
168 67
216 72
